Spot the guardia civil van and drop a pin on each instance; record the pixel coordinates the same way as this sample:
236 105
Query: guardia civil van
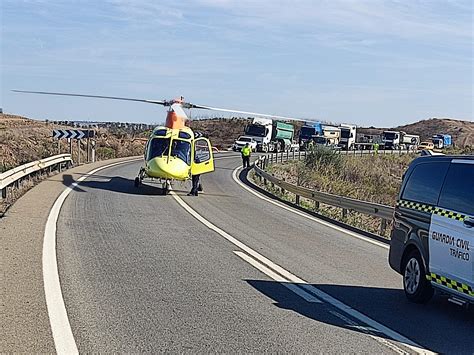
432 239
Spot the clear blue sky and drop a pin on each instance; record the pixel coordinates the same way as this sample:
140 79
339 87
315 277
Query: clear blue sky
367 62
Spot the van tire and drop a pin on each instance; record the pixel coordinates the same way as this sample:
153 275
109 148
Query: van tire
417 288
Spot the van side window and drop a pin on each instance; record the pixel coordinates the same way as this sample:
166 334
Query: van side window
458 190
424 183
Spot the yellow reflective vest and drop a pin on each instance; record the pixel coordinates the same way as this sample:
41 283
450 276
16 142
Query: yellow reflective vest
246 151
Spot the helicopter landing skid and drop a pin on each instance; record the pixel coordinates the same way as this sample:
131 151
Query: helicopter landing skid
165 187
140 177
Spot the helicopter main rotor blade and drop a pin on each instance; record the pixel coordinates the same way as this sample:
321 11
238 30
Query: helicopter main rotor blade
245 112
157 102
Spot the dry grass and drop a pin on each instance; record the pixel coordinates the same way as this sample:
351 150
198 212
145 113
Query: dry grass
369 178
23 140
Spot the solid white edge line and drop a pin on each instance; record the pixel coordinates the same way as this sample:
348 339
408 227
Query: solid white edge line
312 289
305 215
284 282
60 327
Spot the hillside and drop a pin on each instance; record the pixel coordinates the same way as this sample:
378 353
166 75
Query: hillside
221 131
461 131
23 140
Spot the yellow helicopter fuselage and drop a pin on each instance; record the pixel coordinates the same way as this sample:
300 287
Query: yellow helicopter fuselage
175 154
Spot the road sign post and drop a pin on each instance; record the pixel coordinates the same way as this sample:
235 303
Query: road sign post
77 134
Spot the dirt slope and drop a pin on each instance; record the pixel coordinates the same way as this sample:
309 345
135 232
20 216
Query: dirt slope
461 131
23 140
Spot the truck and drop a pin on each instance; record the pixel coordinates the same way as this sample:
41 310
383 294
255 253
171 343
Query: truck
442 141
308 133
332 134
348 136
400 140
367 141
271 136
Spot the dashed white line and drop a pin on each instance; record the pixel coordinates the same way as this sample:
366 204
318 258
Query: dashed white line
380 328
284 282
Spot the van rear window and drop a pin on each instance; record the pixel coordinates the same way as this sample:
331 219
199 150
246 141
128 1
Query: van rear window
458 190
424 183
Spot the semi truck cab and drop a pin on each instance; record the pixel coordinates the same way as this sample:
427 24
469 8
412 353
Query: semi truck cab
348 136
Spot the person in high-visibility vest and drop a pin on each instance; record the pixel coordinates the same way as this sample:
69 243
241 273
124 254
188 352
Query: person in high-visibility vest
376 148
246 151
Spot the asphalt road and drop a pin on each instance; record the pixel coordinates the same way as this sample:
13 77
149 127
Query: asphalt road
139 273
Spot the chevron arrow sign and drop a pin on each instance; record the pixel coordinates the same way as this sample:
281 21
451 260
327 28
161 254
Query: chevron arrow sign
73 133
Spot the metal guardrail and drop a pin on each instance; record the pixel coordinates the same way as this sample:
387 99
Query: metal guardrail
383 212
15 175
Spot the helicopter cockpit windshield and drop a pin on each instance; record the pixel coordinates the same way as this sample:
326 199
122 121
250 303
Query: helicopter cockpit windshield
182 150
179 148
159 147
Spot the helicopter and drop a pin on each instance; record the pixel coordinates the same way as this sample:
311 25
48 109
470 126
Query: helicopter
173 151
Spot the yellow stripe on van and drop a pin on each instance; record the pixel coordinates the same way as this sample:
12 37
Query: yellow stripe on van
431 209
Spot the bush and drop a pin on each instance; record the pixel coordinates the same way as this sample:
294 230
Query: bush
104 153
320 156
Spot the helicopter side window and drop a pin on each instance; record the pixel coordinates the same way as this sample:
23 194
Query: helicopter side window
182 150
201 151
159 147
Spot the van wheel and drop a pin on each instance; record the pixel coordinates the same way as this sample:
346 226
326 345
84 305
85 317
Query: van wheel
417 287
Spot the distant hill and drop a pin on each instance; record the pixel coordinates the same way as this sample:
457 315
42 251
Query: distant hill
461 131
23 140
222 131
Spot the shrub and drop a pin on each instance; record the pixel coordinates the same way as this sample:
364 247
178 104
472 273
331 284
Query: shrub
104 153
320 156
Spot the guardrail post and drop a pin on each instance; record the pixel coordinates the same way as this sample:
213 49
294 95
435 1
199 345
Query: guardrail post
281 158
383 226
287 155
282 189
4 192
299 154
293 154
273 184
297 199
344 213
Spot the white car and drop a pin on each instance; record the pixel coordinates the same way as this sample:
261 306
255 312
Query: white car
242 141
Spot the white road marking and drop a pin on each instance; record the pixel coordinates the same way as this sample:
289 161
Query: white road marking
60 327
230 157
305 215
310 288
284 282
369 331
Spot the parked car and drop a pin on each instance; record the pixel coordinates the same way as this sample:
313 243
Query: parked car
432 239
426 146
242 140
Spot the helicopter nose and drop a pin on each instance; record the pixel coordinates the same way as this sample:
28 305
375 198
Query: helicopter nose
165 168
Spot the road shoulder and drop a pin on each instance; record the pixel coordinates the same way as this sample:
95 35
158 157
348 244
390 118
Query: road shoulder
25 324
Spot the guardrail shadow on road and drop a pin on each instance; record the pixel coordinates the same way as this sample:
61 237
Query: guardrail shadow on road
243 176
439 326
